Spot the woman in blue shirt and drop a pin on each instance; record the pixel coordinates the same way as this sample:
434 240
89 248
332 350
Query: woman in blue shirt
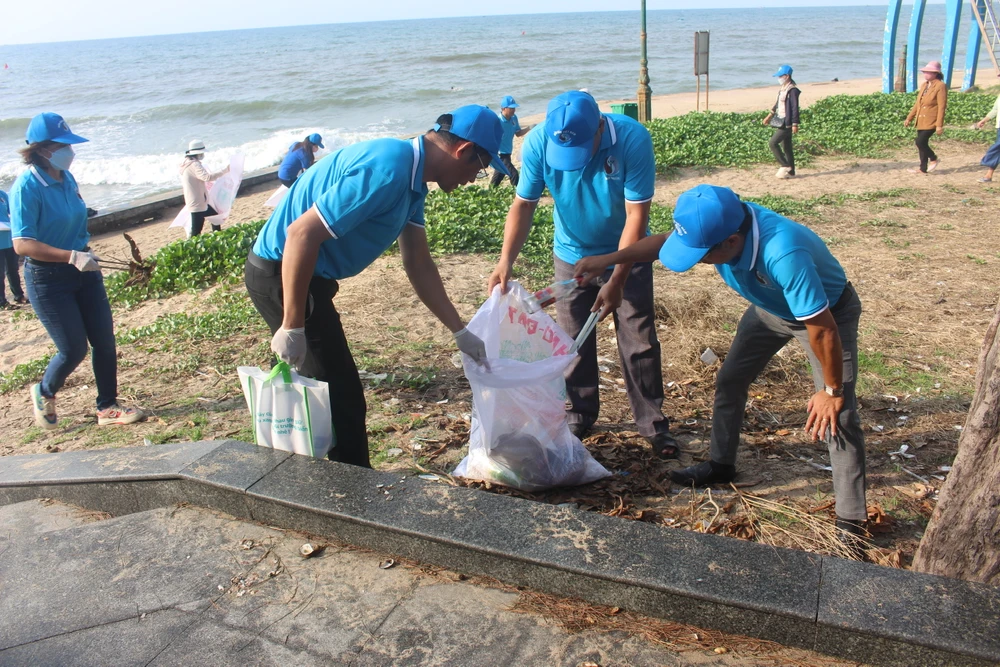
300 157
8 260
62 276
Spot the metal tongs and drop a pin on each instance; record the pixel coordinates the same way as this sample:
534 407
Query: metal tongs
585 331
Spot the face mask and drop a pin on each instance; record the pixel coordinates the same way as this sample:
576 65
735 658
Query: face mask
62 158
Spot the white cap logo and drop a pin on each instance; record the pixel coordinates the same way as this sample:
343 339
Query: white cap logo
679 228
63 126
564 136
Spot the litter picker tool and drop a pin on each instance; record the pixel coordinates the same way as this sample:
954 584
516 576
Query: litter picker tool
584 332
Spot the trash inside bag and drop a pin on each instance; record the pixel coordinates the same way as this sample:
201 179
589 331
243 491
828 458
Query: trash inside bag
519 436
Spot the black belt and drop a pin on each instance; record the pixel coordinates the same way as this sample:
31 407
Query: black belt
38 262
263 264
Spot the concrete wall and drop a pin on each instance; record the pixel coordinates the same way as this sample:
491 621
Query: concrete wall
150 208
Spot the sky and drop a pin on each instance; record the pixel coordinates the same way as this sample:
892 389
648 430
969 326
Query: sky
71 20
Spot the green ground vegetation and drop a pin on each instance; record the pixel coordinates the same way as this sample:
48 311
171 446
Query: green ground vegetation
860 125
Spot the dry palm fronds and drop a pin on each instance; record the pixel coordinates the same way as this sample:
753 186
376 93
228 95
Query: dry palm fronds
811 533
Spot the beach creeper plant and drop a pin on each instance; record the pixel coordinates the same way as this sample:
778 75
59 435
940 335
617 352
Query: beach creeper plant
860 125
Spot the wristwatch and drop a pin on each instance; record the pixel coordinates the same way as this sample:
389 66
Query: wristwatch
830 391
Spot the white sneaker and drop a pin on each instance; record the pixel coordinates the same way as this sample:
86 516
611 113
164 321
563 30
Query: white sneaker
782 172
116 414
44 407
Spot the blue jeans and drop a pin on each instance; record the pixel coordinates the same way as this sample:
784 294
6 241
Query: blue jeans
73 307
8 268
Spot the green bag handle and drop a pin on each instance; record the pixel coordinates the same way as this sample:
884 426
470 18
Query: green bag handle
284 369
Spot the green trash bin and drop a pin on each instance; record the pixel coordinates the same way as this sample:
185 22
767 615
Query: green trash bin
630 109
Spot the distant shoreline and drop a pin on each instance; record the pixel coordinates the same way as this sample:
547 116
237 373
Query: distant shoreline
740 100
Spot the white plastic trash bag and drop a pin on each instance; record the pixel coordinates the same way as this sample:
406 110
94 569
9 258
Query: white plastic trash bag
222 192
289 412
277 196
519 435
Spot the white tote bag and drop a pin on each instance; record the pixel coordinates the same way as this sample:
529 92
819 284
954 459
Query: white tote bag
519 435
289 412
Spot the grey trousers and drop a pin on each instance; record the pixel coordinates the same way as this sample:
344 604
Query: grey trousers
638 348
759 337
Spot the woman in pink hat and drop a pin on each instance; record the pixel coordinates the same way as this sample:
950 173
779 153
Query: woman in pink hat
932 99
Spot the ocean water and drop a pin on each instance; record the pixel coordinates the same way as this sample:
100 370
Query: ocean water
140 100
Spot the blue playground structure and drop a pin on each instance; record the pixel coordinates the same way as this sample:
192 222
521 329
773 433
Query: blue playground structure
983 27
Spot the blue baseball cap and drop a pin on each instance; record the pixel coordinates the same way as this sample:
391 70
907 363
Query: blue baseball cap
316 140
508 102
784 70
704 215
571 122
50 126
482 127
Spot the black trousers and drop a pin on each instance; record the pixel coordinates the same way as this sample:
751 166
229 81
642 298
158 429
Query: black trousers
288 182
8 267
198 220
328 356
497 177
782 138
924 148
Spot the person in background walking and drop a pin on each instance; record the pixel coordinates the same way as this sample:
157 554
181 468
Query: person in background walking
8 260
62 276
511 128
194 176
992 157
300 157
932 99
784 118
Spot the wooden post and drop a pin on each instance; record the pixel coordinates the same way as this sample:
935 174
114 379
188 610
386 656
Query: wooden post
697 96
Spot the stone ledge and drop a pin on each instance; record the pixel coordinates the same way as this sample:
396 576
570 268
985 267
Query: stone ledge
149 208
837 607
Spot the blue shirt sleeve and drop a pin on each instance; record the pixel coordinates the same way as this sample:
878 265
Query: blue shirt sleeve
418 214
300 157
640 165
25 208
799 280
517 124
532 179
4 207
360 194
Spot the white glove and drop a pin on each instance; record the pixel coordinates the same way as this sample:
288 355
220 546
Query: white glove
83 260
290 346
473 346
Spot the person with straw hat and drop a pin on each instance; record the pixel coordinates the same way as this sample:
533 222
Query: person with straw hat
928 110
194 176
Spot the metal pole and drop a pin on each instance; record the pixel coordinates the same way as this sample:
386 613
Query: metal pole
697 95
644 93
706 91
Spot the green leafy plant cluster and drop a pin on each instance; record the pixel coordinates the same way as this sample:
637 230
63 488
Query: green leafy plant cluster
194 263
23 374
861 125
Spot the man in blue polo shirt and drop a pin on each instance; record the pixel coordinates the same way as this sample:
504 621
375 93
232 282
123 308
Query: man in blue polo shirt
600 171
797 289
511 128
340 216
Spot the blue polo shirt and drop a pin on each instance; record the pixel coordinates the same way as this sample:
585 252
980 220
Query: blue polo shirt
295 161
590 202
510 128
5 238
47 210
785 268
365 193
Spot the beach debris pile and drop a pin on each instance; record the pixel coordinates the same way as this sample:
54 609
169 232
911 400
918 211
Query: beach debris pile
139 270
